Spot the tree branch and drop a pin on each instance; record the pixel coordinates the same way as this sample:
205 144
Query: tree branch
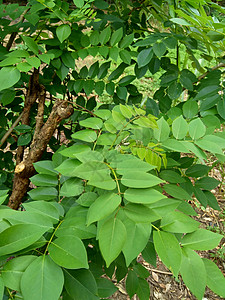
14 34
7 134
220 65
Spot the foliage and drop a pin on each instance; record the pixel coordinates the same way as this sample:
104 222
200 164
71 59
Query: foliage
122 183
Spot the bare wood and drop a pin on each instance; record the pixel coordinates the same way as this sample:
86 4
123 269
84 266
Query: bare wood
161 272
8 133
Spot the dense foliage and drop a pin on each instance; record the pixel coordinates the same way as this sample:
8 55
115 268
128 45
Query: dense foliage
97 173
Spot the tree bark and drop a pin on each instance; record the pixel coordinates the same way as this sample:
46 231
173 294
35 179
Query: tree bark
43 133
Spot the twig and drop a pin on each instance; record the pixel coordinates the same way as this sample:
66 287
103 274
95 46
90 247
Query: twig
161 272
14 34
220 65
7 134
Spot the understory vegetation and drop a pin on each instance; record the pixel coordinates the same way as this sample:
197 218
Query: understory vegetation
111 122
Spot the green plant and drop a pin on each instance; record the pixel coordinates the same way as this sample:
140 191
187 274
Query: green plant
121 183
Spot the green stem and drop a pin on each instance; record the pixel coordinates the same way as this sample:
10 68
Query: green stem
155 227
95 143
49 242
117 180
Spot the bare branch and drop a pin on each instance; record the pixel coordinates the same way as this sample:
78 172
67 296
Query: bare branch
8 133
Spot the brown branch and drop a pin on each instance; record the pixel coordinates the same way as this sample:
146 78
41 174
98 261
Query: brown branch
8 133
30 99
14 34
220 65
24 170
40 114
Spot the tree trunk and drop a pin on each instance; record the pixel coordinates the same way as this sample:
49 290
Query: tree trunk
43 133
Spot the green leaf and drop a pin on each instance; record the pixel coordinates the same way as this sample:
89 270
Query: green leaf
89 169
149 254
178 222
86 135
80 284
197 129
44 180
34 218
72 187
99 87
180 21
74 150
94 38
179 128
145 196
34 62
126 41
9 76
102 207
31 44
63 32
45 167
116 36
105 35
14 269
78 3
102 180
207 91
45 277
131 283
76 226
40 193
215 36
112 236
125 56
93 123
174 91
207 183
221 108
143 290
68 252
201 239
132 164
159 49
43 207
176 191
168 249
201 197
190 109
193 272
162 132
144 57
214 277
2 287
140 180
171 176
7 97
24 139
197 170
18 237
175 145
105 287
137 238
208 145
140 213
211 200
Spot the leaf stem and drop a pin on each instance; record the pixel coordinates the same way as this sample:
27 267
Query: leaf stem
155 227
117 180
49 242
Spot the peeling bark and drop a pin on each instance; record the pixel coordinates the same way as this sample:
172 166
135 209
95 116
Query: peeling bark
43 133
